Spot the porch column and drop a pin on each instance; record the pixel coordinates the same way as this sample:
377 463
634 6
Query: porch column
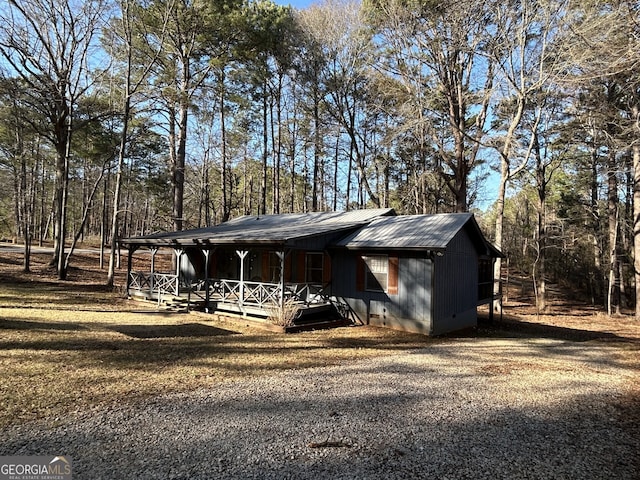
152 280
242 254
281 256
132 250
179 253
207 255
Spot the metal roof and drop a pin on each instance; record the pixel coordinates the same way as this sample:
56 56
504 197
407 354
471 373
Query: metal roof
274 230
373 229
416 232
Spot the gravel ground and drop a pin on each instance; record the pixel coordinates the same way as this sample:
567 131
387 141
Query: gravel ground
465 408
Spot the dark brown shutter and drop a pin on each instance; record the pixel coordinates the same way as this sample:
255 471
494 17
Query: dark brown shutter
265 267
301 271
326 269
287 268
213 264
393 276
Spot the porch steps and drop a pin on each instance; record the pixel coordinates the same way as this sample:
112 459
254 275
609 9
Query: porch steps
171 303
317 317
181 304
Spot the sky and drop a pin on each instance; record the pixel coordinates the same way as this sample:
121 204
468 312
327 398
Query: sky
296 3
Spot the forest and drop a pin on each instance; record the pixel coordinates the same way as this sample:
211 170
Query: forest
125 117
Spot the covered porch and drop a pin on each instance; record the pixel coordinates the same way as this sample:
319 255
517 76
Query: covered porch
281 285
268 266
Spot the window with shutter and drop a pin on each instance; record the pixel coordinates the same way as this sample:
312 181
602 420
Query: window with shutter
376 273
314 267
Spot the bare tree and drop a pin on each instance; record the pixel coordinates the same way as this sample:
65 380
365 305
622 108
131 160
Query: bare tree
134 77
50 46
435 52
338 28
602 42
524 30
20 153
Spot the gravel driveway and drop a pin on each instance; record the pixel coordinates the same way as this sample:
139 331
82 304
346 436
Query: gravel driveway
465 408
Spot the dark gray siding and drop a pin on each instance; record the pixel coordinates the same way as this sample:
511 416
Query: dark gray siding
409 310
456 286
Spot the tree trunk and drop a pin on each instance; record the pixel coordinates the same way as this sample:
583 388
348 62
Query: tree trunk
265 152
541 284
278 148
117 194
86 209
62 199
541 231
612 211
226 207
349 173
23 210
316 152
595 226
335 174
292 169
103 220
505 175
178 191
636 209
497 266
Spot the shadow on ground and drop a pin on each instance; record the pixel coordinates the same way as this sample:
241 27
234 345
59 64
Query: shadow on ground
172 331
509 327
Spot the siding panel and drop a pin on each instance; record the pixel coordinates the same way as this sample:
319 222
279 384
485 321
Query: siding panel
409 309
456 286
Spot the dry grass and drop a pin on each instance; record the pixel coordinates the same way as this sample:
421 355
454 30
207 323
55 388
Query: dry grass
72 345
67 346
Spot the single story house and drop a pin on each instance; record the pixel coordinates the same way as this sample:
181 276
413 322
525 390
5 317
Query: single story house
419 273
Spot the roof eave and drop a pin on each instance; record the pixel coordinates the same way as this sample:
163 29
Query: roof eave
192 242
387 249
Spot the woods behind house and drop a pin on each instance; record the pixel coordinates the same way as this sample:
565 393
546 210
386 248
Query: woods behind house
120 118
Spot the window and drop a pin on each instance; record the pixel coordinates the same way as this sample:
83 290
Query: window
274 268
485 276
376 273
314 268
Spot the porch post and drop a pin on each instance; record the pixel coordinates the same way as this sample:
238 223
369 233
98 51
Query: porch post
281 255
152 280
242 254
207 255
132 250
493 294
178 253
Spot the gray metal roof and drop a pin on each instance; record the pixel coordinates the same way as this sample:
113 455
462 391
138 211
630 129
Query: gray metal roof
414 232
273 230
373 229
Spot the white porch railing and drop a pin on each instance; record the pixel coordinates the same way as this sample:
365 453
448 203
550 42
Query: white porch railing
254 294
162 283
141 281
259 294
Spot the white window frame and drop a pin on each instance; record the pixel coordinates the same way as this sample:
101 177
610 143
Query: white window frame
376 275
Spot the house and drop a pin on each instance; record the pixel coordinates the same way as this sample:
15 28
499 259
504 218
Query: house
419 273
